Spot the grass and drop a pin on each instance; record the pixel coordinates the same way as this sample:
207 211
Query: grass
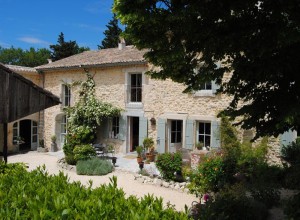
94 167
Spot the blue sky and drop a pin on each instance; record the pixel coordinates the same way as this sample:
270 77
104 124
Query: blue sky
37 23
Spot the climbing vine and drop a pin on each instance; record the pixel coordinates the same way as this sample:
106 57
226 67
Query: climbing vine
85 117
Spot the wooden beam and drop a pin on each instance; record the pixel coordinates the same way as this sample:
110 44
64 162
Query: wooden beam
5 142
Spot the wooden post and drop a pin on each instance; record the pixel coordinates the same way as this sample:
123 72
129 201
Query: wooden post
5 142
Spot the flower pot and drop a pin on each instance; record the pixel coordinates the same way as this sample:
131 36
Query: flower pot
139 159
150 157
114 160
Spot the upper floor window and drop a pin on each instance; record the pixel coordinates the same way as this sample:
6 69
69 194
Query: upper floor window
66 96
136 87
204 133
206 86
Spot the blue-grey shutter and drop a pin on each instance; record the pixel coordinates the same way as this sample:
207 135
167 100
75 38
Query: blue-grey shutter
287 137
215 134
143 129
122 127
189 134
214 87
161 135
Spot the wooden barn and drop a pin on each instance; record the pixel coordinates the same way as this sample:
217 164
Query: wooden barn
19 97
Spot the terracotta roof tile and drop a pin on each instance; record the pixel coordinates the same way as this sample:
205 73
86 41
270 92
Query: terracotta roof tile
20 69
110 57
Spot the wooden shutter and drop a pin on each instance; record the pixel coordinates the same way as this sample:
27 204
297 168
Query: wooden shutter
161 135
189 134
143 129
215 134
122 127
287 138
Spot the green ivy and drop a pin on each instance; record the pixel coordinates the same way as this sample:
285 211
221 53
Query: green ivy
85 117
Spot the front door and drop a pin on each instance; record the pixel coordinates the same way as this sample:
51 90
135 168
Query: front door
25 134
134 132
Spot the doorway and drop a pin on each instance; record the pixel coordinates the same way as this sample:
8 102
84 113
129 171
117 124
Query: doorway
175 128
134 124
25 133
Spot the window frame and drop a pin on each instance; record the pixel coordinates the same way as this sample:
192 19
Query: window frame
66 95
205 135
177 132
136 88
63 127
114 127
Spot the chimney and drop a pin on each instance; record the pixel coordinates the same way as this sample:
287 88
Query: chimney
49 60
122 44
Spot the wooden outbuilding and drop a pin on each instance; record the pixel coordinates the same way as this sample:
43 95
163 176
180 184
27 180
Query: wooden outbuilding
19 97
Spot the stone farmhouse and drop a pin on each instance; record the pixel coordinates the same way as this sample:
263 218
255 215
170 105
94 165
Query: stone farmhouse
153 108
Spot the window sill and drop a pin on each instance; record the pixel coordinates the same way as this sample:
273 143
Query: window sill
134 105
202 93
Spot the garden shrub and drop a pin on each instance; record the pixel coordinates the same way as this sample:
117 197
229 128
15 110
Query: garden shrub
291 152
269 196
84 152
292 177
168 164
94 167
38 195
233 203
210 176
291 208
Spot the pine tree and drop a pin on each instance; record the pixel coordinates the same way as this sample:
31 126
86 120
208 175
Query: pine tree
112 34
65 49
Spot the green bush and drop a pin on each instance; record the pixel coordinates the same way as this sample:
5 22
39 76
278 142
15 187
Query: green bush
292 177
38 195
233 204
210 176
84 152
94 167
291 152
267 195
291 208
168 164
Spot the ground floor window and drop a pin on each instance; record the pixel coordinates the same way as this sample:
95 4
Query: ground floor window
15 132
63 129
115 127
204 133
176 131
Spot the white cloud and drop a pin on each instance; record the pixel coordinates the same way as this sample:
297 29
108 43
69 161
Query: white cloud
33 40
4 45
89 27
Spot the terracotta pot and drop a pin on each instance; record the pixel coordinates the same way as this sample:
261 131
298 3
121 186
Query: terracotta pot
150 157
139 159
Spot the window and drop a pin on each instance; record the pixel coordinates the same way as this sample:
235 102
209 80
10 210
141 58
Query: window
204 133
114 127
176 131
63 129
66 95
34 132
136 87
15 132
206 86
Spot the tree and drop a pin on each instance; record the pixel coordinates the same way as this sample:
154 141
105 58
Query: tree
258 42
112 34
65 49
30 58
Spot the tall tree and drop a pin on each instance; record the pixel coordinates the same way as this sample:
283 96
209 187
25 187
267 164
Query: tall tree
65 49
258 41
112 34
30 58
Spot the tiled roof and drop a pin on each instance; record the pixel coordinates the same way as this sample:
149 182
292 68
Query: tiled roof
20 69
104 57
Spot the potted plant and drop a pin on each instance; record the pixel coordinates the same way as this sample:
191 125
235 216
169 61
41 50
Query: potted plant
139 151
199 145
41 147
149 146
53 143
111 149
